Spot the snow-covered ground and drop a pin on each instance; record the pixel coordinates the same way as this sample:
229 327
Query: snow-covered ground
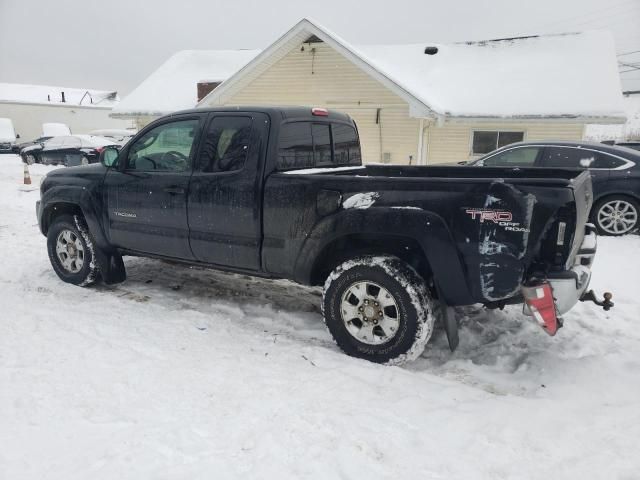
182 373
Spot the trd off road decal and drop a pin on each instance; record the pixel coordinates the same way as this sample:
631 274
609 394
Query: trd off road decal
502 218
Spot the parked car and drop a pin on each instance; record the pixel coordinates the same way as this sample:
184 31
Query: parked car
282 193
120 136
67 150
615 173
8 136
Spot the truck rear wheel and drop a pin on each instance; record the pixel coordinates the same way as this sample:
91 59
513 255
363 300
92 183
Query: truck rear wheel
71 251
378 308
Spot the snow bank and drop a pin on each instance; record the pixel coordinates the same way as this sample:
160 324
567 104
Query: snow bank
187 373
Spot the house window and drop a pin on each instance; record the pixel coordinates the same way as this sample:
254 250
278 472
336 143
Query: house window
488 141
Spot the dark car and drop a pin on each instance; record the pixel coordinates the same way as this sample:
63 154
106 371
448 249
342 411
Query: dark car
67 150
615 173
282 193
20 146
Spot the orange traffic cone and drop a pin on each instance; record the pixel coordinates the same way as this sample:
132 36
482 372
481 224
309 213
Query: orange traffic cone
27 177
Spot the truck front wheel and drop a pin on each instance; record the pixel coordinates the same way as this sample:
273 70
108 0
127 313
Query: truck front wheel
71 250
378 308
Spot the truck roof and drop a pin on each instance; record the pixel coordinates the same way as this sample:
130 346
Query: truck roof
274 111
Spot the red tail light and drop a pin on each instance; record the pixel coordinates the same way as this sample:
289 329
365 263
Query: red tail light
320 112
99 149
539 299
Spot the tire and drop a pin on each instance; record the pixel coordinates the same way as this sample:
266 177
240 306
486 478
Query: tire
72 231
405 324
616 215
29 159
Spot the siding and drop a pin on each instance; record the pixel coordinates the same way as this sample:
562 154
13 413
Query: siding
326 78
452 142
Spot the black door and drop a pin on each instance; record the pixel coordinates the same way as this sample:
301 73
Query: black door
225 194
147 195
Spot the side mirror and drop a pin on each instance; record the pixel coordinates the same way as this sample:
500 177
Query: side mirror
109 156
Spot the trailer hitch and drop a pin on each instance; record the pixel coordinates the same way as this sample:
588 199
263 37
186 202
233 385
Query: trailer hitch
590 296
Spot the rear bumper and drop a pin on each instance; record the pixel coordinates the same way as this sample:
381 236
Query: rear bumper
569 285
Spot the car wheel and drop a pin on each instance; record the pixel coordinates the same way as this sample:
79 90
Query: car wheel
615 215
378 308
71 251
30 159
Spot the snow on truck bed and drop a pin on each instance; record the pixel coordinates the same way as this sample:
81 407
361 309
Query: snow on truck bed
187 373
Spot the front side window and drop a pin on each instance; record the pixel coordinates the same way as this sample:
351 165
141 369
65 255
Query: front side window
569 157
515 157
165 148
226 144
488 141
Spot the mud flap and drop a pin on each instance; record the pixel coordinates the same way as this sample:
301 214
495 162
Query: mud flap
111 267
451 327
447 316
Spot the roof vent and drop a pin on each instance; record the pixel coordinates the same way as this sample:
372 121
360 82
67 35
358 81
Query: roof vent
431 50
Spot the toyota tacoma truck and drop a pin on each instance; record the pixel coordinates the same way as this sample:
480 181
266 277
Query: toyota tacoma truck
283 193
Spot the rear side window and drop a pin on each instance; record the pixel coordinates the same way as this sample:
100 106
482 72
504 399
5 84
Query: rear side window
569 157
226 144
516 157
607 161
308 144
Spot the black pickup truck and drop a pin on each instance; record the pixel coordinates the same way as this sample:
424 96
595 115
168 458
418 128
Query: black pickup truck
282 193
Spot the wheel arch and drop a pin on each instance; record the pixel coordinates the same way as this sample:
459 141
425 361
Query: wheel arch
425 242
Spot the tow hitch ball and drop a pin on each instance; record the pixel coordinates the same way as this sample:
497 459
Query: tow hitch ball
590 296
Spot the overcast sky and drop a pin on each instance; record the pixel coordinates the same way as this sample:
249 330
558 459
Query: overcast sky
115 44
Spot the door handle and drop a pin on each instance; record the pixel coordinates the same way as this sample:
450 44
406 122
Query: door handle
174 190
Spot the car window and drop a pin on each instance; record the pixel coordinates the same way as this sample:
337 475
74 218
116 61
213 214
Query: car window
604 160
569 157
296 146
347 147
226 144
166 147
515 157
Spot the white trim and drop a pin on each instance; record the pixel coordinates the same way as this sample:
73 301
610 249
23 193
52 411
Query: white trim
420 142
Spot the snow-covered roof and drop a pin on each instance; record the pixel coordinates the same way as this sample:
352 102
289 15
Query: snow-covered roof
572 76
49 95
173 86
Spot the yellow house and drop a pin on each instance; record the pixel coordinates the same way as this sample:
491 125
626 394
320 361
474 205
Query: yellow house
438 103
